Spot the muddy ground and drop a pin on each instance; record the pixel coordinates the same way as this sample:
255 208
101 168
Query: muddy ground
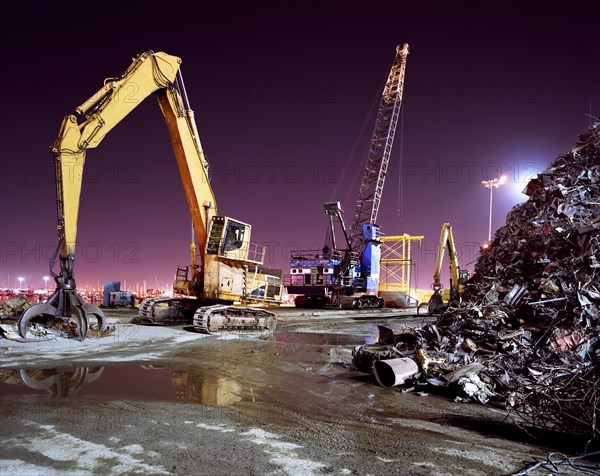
155 400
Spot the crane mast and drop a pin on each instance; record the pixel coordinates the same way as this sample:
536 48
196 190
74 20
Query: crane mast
371 188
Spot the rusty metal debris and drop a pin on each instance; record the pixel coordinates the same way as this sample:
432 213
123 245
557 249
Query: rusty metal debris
48 330
392 372
555 460
14 306
530 315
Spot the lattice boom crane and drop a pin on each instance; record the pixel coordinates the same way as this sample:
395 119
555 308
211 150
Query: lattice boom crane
349 277
371 188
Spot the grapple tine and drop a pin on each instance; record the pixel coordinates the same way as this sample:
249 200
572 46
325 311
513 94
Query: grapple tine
95 311
78 313
77 379
92 373
38 384
81 322
33 311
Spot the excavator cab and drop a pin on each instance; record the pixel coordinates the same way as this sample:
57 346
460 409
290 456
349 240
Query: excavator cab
230 239
463 277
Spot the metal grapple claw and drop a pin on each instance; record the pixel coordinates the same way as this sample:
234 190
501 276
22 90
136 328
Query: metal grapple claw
95 311
43 309
81 321
65 305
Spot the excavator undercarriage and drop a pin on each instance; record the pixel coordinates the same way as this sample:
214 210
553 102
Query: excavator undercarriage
220 317
362 301
208 319
167 311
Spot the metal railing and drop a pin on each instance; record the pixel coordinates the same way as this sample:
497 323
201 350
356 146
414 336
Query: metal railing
305 255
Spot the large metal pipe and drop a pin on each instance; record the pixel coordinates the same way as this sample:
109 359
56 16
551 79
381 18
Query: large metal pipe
392 372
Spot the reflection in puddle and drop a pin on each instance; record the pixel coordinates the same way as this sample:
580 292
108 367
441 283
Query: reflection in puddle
319 338
61 384
211 390
121 382
200 385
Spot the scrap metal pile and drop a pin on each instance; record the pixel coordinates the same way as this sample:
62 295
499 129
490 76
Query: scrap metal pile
527 333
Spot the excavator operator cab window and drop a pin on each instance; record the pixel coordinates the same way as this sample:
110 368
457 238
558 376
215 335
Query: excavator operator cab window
234 236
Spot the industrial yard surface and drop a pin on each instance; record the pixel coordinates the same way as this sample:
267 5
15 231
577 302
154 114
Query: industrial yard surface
419 180
168 400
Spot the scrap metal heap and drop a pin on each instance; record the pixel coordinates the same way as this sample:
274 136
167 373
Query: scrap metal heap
527 333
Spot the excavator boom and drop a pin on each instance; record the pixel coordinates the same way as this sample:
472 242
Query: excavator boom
446 242
103 111
194 172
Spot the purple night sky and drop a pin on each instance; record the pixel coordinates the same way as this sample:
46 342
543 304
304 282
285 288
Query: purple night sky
281 91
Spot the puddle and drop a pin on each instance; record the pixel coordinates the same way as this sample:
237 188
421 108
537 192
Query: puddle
122 382
319 338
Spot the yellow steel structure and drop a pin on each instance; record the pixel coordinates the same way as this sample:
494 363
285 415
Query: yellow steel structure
396 262
447 241
230 261
437 304
103 111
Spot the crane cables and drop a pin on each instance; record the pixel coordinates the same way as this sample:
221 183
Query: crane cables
359 170
400 209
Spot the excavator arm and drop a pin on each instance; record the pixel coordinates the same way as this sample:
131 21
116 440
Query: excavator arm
193 167
103 111
436 304
149 73
446 241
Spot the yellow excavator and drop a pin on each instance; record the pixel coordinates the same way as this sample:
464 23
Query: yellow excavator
230 271
439 301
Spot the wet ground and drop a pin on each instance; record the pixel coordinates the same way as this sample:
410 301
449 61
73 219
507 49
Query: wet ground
155 400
